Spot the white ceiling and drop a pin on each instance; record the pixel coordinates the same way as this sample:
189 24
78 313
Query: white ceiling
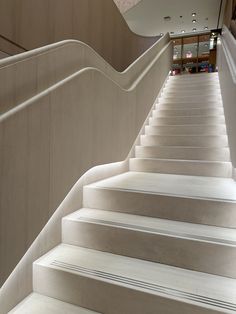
147 17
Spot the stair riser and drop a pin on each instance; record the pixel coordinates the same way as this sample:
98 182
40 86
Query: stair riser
195 84
193 87
183 106
186 130
202 76
160 248
187 78
202 211
186 99
181 167
106 296
193 93
195 80
186 112
193 141
187 120
194 90
186 153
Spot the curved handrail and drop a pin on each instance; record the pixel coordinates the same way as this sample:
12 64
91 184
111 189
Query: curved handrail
56 66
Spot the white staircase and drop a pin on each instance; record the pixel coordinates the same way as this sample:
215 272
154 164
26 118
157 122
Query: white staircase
161 238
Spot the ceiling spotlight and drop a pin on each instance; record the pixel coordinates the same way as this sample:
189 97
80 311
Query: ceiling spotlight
194 29
194 14
194 21
161 34
206 27
183 31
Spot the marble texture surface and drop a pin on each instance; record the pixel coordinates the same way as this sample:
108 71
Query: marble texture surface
193 186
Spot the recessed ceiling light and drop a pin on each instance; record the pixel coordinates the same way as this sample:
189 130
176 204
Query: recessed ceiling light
194 14
194 29
183 31
161 34
206 27
194 21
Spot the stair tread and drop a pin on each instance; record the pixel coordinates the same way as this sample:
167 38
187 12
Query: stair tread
187 125
172 184
166 227
37 304
215 111
195 116
194 105
186 99
186 135
194 93
142 275
185 130
185 160
184 140
185 147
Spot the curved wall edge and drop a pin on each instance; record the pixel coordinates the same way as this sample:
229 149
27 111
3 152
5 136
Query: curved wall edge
99 23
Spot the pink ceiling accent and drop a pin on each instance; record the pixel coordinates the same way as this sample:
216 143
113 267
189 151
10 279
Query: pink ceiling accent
125 5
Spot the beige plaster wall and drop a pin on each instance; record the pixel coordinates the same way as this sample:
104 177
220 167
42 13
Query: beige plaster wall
36 23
